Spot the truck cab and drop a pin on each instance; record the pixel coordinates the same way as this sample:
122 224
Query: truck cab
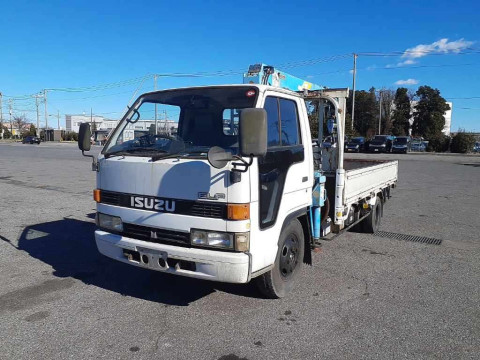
235 193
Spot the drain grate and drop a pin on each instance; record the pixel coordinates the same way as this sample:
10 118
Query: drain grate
419 239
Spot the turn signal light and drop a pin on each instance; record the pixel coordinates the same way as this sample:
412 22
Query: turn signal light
96 195
238 212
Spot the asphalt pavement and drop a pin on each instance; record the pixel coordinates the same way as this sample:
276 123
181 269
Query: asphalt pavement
365 296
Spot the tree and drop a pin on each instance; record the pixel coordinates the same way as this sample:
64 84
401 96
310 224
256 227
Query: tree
33 130
429 118
349 130
6 133
387 99
439 143
366 111
401 113
462 142
312 111
19 122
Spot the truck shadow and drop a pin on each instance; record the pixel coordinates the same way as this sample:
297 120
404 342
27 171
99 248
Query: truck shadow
68 246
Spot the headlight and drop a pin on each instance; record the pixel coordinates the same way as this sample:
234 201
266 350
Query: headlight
233 241
356 146
383 145
109 222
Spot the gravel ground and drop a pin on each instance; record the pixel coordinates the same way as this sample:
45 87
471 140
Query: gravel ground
364 297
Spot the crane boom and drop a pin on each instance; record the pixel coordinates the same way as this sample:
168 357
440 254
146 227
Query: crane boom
269 75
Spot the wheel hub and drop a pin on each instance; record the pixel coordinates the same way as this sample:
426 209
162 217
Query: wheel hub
289 256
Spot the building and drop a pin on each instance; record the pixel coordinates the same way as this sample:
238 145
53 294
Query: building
447 129
73 122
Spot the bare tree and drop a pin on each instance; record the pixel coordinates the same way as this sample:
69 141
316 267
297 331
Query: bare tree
19 122
388 96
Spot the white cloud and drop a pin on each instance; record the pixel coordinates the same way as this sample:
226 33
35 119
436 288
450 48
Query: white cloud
310 76
350 71
407 62
440 46
407 82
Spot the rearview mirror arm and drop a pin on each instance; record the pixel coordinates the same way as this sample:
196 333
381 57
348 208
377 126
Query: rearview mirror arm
94 161
243 163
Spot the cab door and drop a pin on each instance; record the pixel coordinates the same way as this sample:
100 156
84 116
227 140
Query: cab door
283 173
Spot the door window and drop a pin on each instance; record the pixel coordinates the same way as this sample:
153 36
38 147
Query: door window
273 121
289 122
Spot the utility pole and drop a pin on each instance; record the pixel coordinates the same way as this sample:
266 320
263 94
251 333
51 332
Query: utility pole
58 119
1 116
46 113
91 119
10 112
38 113
155 88
354 79
1 110
380 111
165 129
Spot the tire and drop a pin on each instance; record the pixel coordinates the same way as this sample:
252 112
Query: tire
372 223
291 246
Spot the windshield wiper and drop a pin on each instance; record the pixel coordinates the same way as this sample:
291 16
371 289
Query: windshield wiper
131 151
169 156
177 155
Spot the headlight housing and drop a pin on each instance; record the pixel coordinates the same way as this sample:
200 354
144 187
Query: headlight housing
109 222
221 240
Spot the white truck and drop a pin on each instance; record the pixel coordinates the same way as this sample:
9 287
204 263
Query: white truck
240 192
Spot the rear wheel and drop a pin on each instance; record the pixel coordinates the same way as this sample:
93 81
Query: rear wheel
291 246
372 222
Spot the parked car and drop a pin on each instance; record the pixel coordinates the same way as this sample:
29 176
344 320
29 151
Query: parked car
381 143
402 144
356 144
418 146
31 140
476 147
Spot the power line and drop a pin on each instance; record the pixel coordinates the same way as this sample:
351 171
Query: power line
424 52
463 98
393 68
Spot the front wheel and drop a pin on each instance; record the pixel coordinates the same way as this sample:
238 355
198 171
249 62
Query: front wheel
291 246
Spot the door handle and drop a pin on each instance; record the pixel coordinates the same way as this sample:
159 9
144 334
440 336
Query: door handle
305 179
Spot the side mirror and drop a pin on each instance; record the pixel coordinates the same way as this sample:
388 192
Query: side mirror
84 135
218 158
253 132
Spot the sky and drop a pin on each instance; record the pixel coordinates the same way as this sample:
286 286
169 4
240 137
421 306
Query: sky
99 55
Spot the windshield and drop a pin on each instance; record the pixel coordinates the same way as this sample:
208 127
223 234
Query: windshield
401 141
357 140
380 138
182 122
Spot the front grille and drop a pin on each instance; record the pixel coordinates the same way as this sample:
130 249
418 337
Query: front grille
183 207
110 198
208 210
155 235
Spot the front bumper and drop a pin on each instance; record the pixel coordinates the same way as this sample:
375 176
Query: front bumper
377 149
399 149
203 264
